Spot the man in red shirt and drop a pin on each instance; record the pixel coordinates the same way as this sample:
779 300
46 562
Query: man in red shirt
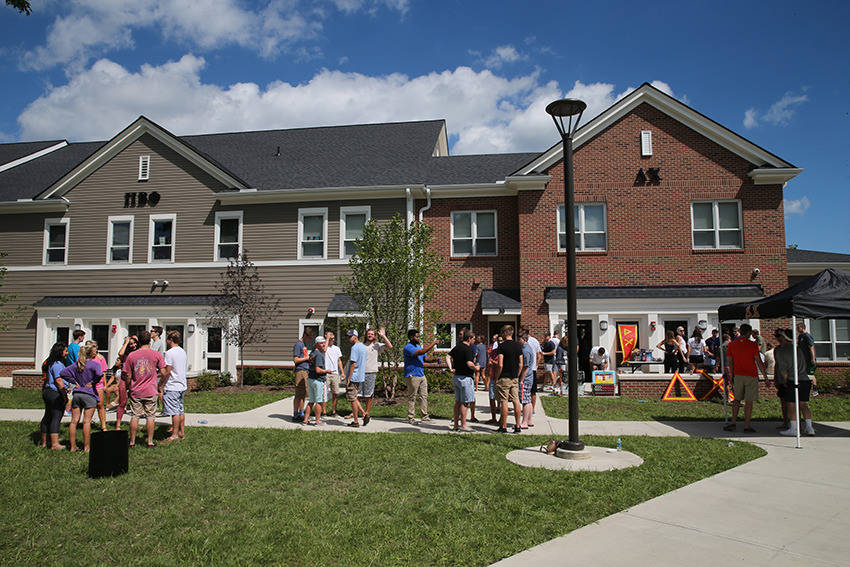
745 364
141 371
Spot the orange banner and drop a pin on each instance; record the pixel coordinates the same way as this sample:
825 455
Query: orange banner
628 335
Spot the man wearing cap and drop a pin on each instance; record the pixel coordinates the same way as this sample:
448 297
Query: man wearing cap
744 361
317 382
784 355
414 376
332 358
356 377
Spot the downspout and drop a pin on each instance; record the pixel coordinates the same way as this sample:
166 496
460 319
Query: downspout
421 214
409 212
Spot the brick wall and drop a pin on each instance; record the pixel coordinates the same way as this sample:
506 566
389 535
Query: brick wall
654 388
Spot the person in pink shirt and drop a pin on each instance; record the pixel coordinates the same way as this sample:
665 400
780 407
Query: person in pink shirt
101 385
141 371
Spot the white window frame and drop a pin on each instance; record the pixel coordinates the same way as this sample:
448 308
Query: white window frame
474 236
456 327
157 218
581 231
831 341
46 248
343 213
109 242
226 215
313 323
646 143
313 212
144 168
716 230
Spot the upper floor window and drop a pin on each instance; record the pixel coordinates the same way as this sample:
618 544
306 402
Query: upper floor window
717 224
55 241
120 240
832 338
312 233
144 168
474 233
590 227
161 240
228 234
352 221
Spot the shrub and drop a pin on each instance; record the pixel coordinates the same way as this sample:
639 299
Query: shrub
251 376
832 384
278 378
224 379
439 380
206 381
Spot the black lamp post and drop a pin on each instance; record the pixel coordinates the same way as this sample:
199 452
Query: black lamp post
567 108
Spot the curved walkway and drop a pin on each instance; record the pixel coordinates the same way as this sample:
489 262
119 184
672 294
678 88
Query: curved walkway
789 508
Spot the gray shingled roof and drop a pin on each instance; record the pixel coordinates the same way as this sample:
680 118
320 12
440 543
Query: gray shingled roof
366 155
500 299
27 180
797 256
658 291
343 303
123 300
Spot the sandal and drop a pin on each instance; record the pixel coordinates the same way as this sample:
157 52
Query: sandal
730 427
352 424
549 448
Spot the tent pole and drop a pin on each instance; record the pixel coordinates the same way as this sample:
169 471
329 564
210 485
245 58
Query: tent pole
723 377
797 415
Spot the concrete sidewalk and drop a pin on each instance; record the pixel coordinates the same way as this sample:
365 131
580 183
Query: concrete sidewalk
791 507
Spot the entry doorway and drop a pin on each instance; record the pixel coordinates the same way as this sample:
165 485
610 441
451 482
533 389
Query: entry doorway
495 328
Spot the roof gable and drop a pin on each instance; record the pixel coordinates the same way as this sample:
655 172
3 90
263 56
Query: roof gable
769 167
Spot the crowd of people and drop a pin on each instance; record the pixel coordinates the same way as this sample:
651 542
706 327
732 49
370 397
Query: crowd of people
147 371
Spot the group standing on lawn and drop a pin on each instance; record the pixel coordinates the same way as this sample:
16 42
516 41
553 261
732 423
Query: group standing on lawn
76 376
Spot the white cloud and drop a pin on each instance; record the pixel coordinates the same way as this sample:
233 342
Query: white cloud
780 112
485 113
796 206
503 54
92 28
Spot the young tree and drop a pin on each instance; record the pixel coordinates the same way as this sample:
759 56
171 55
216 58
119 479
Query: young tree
7 317
394 275
243 310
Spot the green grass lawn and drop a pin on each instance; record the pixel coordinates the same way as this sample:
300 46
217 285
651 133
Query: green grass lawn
307 498
594 408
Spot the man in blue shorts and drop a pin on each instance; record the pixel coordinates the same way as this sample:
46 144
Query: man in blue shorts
463 365
356 378
173 386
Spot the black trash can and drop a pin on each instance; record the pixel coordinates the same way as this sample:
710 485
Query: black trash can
110 453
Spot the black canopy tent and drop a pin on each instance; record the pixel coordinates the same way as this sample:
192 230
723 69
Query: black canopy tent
825 295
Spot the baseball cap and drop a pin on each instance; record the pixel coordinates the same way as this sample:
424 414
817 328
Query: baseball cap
319 340
352 333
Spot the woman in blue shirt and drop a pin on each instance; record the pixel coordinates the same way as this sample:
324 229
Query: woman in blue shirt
54 395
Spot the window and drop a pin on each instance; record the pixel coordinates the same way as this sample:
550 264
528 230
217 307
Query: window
352 221
312 233
832 338
646 143
120 240
161 238
590 227
144 168
228 234
215 349
55 241
449 334
474 233
717 224
318 330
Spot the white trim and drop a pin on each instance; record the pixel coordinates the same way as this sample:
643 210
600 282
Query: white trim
474 233
144 168
55 222
500 312
160 265
159 218
343 212
774 176
110 226
29 206
312 194
12 360
32 156
313 212
218 218
716 224
812 268
646 143
687 116
580 230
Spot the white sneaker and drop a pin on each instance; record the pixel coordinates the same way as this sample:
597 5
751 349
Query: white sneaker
810 431
790 432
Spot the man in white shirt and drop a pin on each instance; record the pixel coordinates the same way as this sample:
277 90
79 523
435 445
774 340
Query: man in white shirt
599 358
173 385
373 349
332 357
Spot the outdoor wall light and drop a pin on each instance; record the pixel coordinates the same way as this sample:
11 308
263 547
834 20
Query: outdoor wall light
191 328
603 325
77 326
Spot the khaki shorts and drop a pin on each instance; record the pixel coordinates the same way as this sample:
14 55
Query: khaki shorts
746 388
507 390
351 391
301 383
143 407
333 384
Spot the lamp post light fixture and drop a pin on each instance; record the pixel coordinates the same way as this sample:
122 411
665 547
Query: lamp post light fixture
563 112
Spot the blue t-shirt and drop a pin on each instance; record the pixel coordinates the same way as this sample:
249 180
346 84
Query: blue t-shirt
413 365
73 353
528 356
481 354
298 351
318 359
53 374
358 355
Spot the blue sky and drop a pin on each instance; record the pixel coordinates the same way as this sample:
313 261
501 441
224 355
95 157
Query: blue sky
775 72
